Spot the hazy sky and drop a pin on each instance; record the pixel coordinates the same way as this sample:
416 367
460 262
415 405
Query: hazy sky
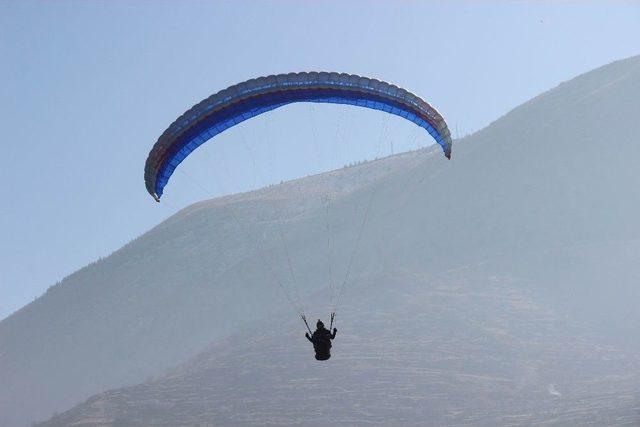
87 87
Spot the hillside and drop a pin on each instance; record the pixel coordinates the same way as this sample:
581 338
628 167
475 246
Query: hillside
539 210
457 348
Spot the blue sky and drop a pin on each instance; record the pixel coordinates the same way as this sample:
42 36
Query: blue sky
87 87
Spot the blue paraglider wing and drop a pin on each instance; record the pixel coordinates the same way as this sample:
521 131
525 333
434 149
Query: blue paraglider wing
245 100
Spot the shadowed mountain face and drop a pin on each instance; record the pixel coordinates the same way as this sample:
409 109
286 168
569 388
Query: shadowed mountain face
497 288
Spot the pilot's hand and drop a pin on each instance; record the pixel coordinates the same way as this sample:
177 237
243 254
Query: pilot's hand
335 330
306 334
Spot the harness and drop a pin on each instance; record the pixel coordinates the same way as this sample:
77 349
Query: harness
304 319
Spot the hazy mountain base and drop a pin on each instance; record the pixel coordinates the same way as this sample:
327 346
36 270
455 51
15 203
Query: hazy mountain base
455 349
546 197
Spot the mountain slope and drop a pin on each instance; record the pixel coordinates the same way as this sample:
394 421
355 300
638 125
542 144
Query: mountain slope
458 348
533 197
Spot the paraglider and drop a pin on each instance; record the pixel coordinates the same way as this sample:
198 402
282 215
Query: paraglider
251 98
321 340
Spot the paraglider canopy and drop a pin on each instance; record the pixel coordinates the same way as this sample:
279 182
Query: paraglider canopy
243 101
